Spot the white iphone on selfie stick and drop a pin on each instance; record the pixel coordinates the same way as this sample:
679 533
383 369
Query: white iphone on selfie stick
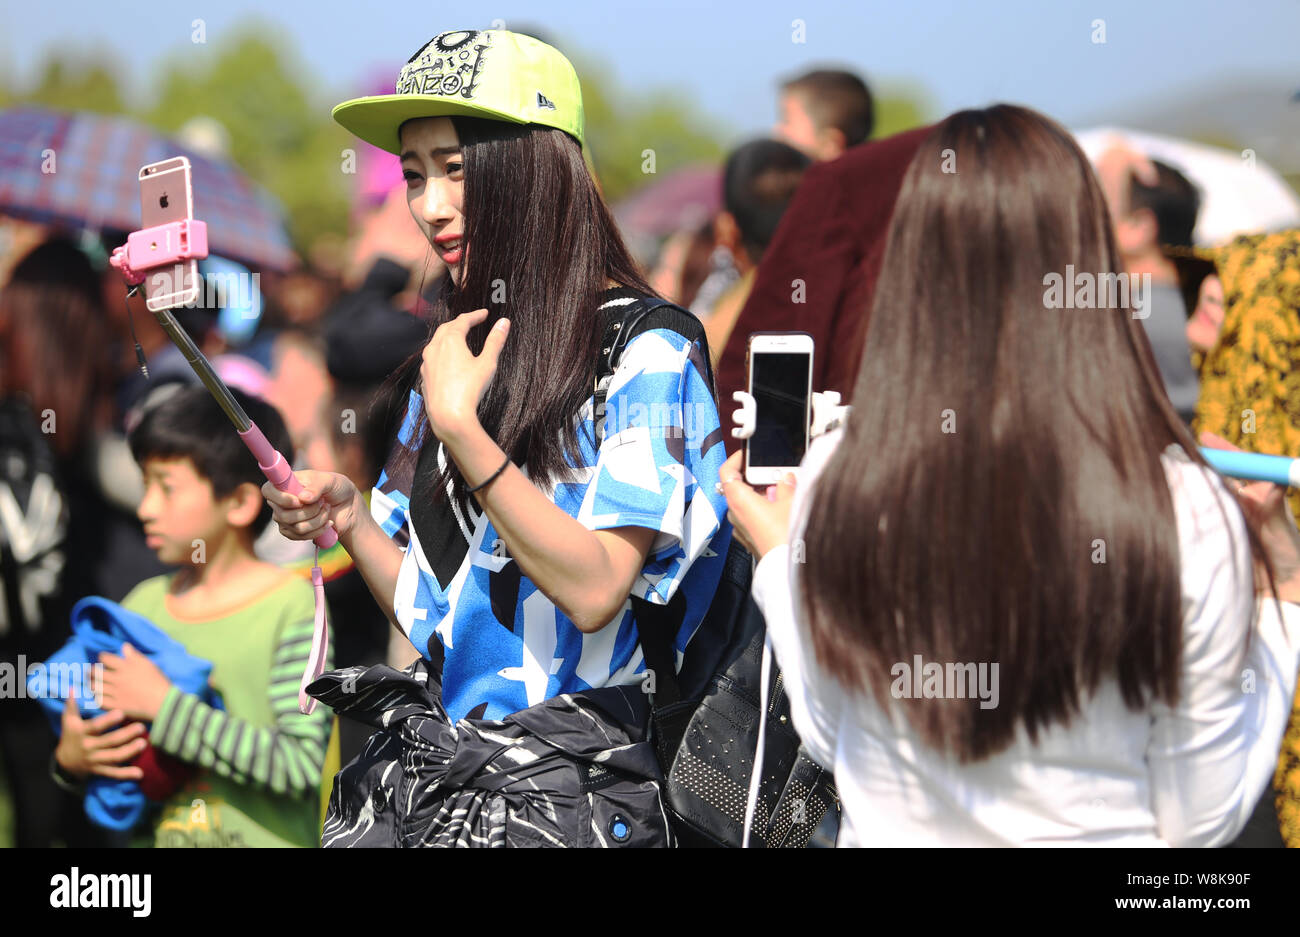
167 196
780 381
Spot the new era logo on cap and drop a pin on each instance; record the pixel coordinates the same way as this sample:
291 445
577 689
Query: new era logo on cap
543 102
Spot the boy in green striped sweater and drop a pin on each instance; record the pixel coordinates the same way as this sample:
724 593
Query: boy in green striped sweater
259 760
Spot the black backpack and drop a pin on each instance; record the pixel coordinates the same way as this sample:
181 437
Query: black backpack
705 719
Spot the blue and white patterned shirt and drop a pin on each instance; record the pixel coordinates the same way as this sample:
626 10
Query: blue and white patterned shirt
655 467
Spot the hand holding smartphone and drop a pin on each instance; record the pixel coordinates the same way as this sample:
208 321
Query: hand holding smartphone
780 381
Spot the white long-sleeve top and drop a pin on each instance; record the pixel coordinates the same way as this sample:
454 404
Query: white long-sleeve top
1183 776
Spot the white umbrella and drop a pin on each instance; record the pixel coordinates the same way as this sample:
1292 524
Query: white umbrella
1239 193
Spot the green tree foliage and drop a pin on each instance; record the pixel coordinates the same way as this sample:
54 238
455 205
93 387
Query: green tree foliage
280 131
621 127
281 135
899 108
85 86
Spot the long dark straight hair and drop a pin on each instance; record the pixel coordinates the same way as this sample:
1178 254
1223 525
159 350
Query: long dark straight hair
540 247
997 446
53 336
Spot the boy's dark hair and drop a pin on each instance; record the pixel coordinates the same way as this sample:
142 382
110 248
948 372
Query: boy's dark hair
758 181
1173 200
837 99
190 423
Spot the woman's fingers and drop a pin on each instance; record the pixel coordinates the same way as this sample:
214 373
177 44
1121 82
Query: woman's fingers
307 529
741 497
1115 165
467 320
731 469
298 523
305 515
461 324
308 512
1263 500
281 499
783 490
1211 441
302 523
1265 494
495 341
758 519
313 484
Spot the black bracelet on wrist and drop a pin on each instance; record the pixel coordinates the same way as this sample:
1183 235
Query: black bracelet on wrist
491 477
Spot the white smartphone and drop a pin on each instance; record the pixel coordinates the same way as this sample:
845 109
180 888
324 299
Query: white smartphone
780 381
166 195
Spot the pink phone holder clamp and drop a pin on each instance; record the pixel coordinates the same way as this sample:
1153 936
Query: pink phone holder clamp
171 243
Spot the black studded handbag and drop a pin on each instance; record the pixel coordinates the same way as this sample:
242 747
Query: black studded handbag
705 717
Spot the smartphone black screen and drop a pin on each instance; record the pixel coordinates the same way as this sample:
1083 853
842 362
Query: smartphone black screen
780 389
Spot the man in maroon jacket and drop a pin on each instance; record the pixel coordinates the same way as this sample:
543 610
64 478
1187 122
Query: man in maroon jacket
819 273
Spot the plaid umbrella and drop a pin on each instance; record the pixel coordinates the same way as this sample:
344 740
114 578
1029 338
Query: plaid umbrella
681 199
95 182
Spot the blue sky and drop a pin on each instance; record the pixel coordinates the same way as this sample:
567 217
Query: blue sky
729 55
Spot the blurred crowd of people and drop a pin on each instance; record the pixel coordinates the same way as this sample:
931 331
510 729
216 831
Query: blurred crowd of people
797 242
72 389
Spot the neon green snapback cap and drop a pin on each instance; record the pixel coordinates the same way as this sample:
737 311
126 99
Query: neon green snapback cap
490 73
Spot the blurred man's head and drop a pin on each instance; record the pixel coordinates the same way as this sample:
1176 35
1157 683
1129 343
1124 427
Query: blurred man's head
758 182
825 112
1158 215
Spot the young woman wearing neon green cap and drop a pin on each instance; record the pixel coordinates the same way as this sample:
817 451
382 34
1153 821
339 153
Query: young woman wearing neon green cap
507 534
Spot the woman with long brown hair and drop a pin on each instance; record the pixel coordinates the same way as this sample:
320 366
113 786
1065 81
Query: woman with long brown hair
1016 607
513 526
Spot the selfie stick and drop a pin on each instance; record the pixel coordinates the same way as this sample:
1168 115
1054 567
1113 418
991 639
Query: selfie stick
1251 466
188 240
180 241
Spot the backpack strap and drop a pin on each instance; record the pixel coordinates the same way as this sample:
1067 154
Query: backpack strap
623 323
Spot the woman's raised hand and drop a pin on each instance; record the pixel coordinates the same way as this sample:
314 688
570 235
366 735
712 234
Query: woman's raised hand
327 500
454 377
1265 503
760 522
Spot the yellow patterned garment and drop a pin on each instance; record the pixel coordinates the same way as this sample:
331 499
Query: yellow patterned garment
1250 395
